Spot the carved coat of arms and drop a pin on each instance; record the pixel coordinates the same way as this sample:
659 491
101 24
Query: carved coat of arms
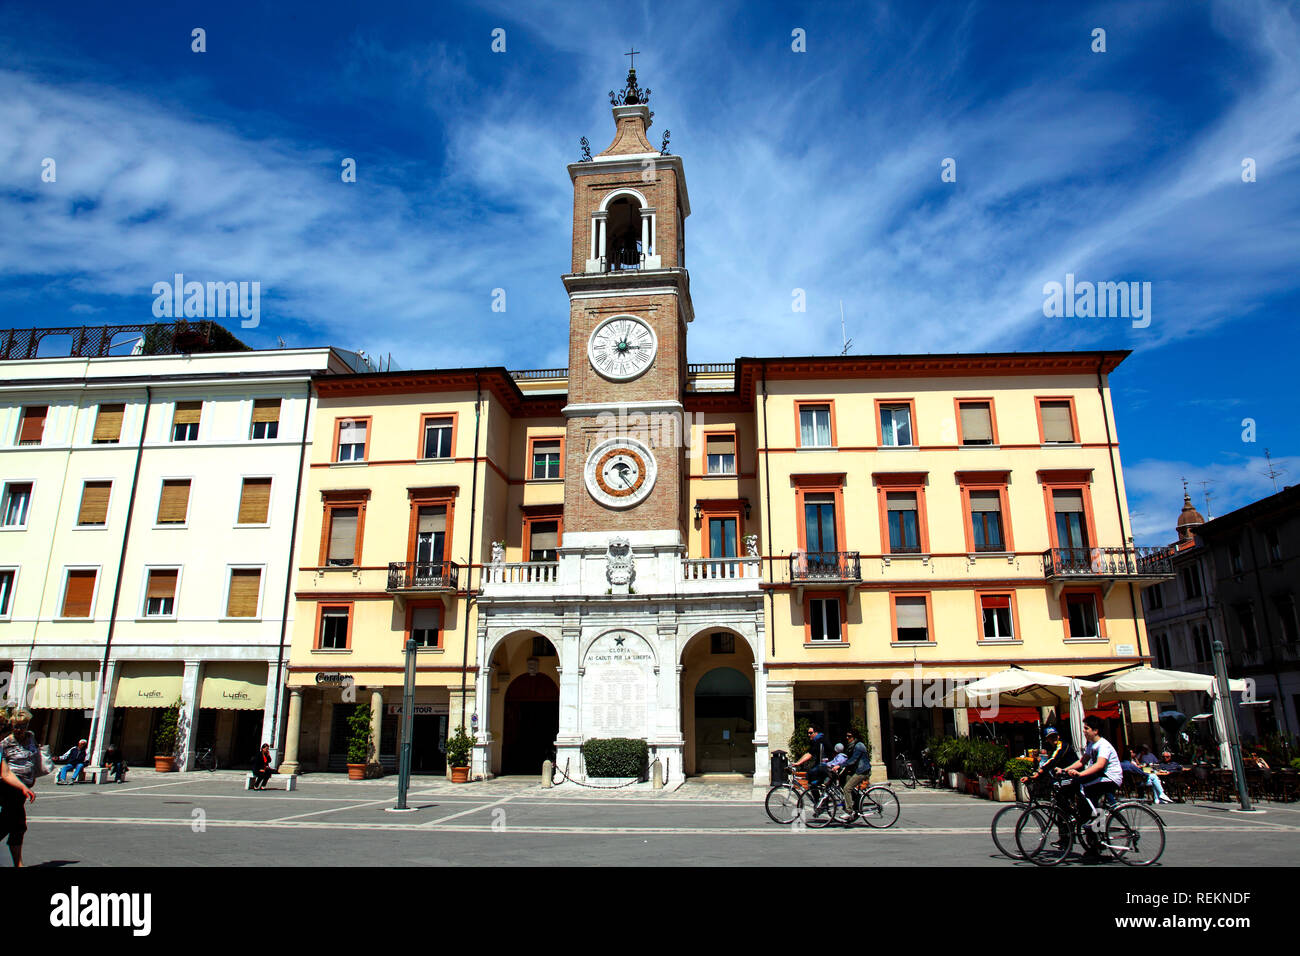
618 562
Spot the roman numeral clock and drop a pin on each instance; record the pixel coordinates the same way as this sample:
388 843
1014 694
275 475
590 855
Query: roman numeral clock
620 472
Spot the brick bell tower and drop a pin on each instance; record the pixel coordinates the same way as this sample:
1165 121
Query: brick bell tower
629 305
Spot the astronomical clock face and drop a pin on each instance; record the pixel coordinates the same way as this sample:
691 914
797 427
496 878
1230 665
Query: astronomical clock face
620 472
622 347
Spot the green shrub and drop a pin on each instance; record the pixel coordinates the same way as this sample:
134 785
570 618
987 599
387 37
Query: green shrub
615 757
164 740
459 747
983 758
359 734
799 738
1295 763
1017 768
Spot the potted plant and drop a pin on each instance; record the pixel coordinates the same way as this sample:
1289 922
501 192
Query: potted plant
799 745
164 741
1015 771
460 746
358 741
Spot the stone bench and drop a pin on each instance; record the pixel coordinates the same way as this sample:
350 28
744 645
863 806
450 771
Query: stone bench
285 781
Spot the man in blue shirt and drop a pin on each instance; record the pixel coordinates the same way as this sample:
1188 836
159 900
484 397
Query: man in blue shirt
858 766
75 760
819 751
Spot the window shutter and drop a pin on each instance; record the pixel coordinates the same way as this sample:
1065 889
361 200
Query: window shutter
721 445
910 612
352 433
425 618
187 413
1057 426
432 520
266 410
991 601
33 427
1067 502
245 583
900 501
976 423
108 423
174 503
162 584
985 501
255 501
94 502
78 593
343 535
543 536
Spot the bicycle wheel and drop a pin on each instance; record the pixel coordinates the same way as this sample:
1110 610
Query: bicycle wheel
1044 836
1003 829
1135 834
910 780
816 808
782 803
879 807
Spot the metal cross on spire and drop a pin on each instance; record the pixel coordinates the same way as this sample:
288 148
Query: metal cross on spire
632 53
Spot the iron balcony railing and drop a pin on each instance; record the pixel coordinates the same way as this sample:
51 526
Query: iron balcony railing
1107 562
825 566
626 258
423 575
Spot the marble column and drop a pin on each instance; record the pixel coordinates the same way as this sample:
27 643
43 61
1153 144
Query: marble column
463 701
374 768
780 713
290 763
16 692
272 716
961 722
879 769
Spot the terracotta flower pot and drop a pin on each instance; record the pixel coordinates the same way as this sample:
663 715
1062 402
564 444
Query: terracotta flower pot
356 771
460 774
164 764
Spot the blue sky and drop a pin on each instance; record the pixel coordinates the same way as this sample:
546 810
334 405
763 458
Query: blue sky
817 170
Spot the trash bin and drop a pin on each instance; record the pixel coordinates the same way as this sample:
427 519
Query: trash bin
780 766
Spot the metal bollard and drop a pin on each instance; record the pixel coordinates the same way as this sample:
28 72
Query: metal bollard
548 774
656 776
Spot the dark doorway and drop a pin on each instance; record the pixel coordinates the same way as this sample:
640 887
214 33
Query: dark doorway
532 720
429 743
724 723
248 738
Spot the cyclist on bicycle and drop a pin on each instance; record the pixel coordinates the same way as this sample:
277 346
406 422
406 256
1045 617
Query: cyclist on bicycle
1057 756
819 751
1098 772
858 765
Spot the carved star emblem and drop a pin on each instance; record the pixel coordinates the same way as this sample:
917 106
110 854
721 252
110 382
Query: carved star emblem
618 641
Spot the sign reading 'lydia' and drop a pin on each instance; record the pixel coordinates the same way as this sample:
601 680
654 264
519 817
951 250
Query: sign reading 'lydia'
618 686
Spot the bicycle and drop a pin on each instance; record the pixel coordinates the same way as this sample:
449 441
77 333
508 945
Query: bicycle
205 759
1003 828
782 801
1132 832
823 804
906 772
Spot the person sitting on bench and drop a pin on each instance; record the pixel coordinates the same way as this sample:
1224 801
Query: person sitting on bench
114 763
75 760
262 768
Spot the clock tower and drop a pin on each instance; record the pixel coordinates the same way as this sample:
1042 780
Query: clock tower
629 306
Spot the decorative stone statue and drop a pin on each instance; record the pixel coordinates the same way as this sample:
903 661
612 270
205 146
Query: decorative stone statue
619 569
751 545
498 552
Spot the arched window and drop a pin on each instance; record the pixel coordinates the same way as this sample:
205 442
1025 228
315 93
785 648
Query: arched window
623 235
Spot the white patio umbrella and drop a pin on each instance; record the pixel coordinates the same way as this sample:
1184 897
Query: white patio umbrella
1221 720
1150 683
1016 687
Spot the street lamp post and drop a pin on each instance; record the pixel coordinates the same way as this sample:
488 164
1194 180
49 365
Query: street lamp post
408 711
1230 724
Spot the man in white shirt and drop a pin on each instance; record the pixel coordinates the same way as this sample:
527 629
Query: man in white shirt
1098 770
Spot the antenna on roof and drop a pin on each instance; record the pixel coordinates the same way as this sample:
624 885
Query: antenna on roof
1272 472
844 335
1205 491
280 340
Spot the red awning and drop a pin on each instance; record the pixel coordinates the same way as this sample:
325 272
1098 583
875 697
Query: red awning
1003 715
1105 712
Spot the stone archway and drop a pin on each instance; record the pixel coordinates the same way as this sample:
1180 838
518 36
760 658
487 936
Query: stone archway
717 703
529 724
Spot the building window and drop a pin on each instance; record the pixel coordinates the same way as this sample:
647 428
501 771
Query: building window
815 426
1056 420
1071 523
430 536
79 593
1273 543
7 578
543 540
542 647
896 425
174 502
1286 614
266 419
986 521
1234 557
721 642
1249 636
342 536
1160 646
160 593
1204 649
185 421
911 620
975 423
254 501
824 620
819 523
720 454
546 458
904 527
334 621
437 437
426 625
94 504
1191 577
15 504
996 617
722 538
1081 615
108 424
245 589
352 439
1155 597
31 429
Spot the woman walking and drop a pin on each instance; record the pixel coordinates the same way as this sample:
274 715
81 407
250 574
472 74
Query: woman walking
19 763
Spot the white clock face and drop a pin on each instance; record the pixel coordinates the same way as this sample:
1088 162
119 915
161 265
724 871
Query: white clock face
620 472
622 347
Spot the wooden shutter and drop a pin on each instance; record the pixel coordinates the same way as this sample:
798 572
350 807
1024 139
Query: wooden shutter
33 427
108 423
1057 426
976 423
162 584
721 445
174 503
245 585
343 535
187 413
255 501
1067 502
910 612
544 536
985 501
900 501
78 593
432 519
94 502
266 410
991 601
426 618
